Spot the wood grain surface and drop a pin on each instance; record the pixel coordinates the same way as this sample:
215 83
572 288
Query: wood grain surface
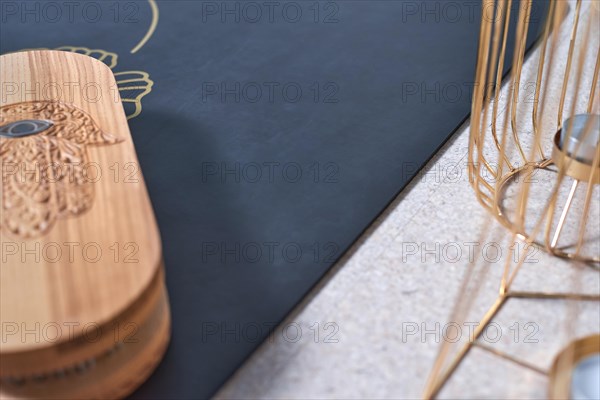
81 254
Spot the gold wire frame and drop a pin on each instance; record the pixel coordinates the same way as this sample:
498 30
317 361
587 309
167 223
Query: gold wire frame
514 144
515 141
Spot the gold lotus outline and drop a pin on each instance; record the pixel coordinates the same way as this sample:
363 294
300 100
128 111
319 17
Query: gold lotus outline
140 79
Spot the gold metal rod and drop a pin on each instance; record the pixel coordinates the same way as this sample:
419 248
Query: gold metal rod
479 95
433 391
586 205
564 213
499 72
569 61
559 9
520 42
553 296
564 162
492 84
540 75
594 83
524 195
510 358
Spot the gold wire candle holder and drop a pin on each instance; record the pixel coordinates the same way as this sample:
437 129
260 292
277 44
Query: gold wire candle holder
534 164
520 160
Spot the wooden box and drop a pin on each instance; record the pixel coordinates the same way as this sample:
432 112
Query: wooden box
83 305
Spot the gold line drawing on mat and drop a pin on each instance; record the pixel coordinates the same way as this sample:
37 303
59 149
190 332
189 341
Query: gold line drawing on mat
106 57
151 29
137 82
45 176
133 86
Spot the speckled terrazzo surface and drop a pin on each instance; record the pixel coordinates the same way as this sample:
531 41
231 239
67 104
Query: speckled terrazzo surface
380 313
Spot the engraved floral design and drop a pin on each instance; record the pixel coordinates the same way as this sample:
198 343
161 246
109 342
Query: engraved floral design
44 176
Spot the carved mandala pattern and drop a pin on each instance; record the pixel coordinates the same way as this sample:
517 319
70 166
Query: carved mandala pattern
44 176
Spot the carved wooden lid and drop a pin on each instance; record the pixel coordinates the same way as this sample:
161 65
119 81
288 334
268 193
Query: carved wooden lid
78 237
